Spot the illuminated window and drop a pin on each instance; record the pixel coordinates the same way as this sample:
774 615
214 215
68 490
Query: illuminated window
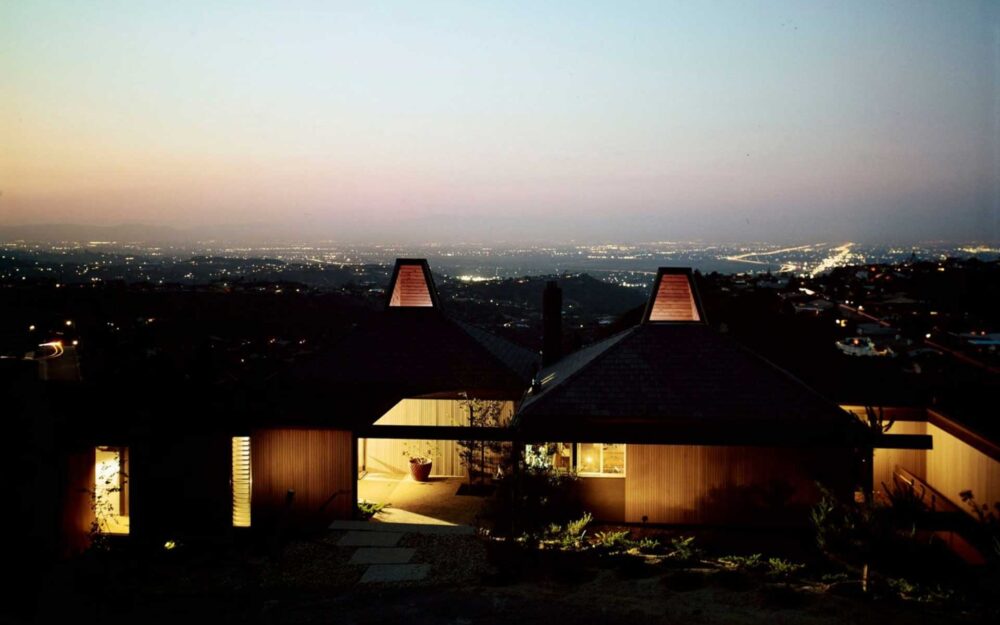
558 456
242 481
111 492
604 459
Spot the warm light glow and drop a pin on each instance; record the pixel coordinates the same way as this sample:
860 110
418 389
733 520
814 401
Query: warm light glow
111 490
411 288
242 481
674 300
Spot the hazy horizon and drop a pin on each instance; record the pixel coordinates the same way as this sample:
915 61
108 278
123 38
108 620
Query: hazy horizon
409 123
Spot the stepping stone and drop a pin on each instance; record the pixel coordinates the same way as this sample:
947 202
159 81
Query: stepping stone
382 555
395 573
369 539
413 528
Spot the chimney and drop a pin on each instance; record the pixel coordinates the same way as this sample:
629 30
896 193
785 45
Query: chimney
551 323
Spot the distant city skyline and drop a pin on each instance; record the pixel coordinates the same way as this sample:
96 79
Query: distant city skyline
407 123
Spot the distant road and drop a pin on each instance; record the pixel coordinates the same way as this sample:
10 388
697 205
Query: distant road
953 353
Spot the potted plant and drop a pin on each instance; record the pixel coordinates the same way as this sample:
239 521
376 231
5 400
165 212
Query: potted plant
421 455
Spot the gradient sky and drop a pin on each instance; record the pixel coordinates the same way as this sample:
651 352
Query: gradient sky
517 121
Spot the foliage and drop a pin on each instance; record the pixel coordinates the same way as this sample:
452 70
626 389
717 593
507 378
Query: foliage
753 562
876 421
476 455
684 549
989 519
778 567
420 451
614 541
648 545
108 486
368 509
569 536
911 591
529 500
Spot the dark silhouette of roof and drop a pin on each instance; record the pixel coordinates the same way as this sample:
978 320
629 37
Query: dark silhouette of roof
673 374
404 351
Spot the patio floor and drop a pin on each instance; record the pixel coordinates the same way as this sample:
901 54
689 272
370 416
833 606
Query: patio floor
429 503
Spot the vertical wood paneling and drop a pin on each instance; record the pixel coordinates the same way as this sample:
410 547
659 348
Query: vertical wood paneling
385 455
691 484
77 507
886 460
954 466
316 464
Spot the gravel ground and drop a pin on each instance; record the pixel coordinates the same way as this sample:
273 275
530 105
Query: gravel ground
313 582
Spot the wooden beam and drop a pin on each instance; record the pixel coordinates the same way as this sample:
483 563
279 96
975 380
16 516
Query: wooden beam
638 435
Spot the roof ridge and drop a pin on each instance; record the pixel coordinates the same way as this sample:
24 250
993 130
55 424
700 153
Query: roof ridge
612 341
466 327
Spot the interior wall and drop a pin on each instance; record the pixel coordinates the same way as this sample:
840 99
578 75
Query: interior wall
385 455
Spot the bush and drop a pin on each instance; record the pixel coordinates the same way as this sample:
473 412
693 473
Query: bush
783 569
683 549
614 541
752 562
529 501
568 537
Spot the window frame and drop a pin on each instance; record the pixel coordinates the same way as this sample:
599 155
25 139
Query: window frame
602 473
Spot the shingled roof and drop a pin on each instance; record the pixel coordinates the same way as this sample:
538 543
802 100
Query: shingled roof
405 351
675 374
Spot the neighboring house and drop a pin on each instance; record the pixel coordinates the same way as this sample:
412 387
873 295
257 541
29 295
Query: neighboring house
667 422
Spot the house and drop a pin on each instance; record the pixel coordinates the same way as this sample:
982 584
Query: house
671 422
665 422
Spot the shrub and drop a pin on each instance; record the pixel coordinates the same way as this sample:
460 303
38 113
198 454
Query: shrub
571 536
368 509
614 541
752 562
783 569
683 549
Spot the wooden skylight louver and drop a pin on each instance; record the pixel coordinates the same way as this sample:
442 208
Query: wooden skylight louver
674 298
411 287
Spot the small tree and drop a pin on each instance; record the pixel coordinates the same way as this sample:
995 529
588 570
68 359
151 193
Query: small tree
483 413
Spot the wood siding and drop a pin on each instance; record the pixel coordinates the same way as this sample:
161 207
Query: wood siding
179 485
950 467
77 514
603 497
385 455
954 466
692 484
913 460
315 464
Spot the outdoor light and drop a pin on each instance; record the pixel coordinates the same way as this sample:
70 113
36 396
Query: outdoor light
69 322
927 336
169 545
31 328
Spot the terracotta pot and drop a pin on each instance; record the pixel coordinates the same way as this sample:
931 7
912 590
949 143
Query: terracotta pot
420 471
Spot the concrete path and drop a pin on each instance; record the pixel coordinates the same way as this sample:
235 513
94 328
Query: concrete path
376 548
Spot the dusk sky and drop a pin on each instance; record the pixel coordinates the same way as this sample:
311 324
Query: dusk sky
516 121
